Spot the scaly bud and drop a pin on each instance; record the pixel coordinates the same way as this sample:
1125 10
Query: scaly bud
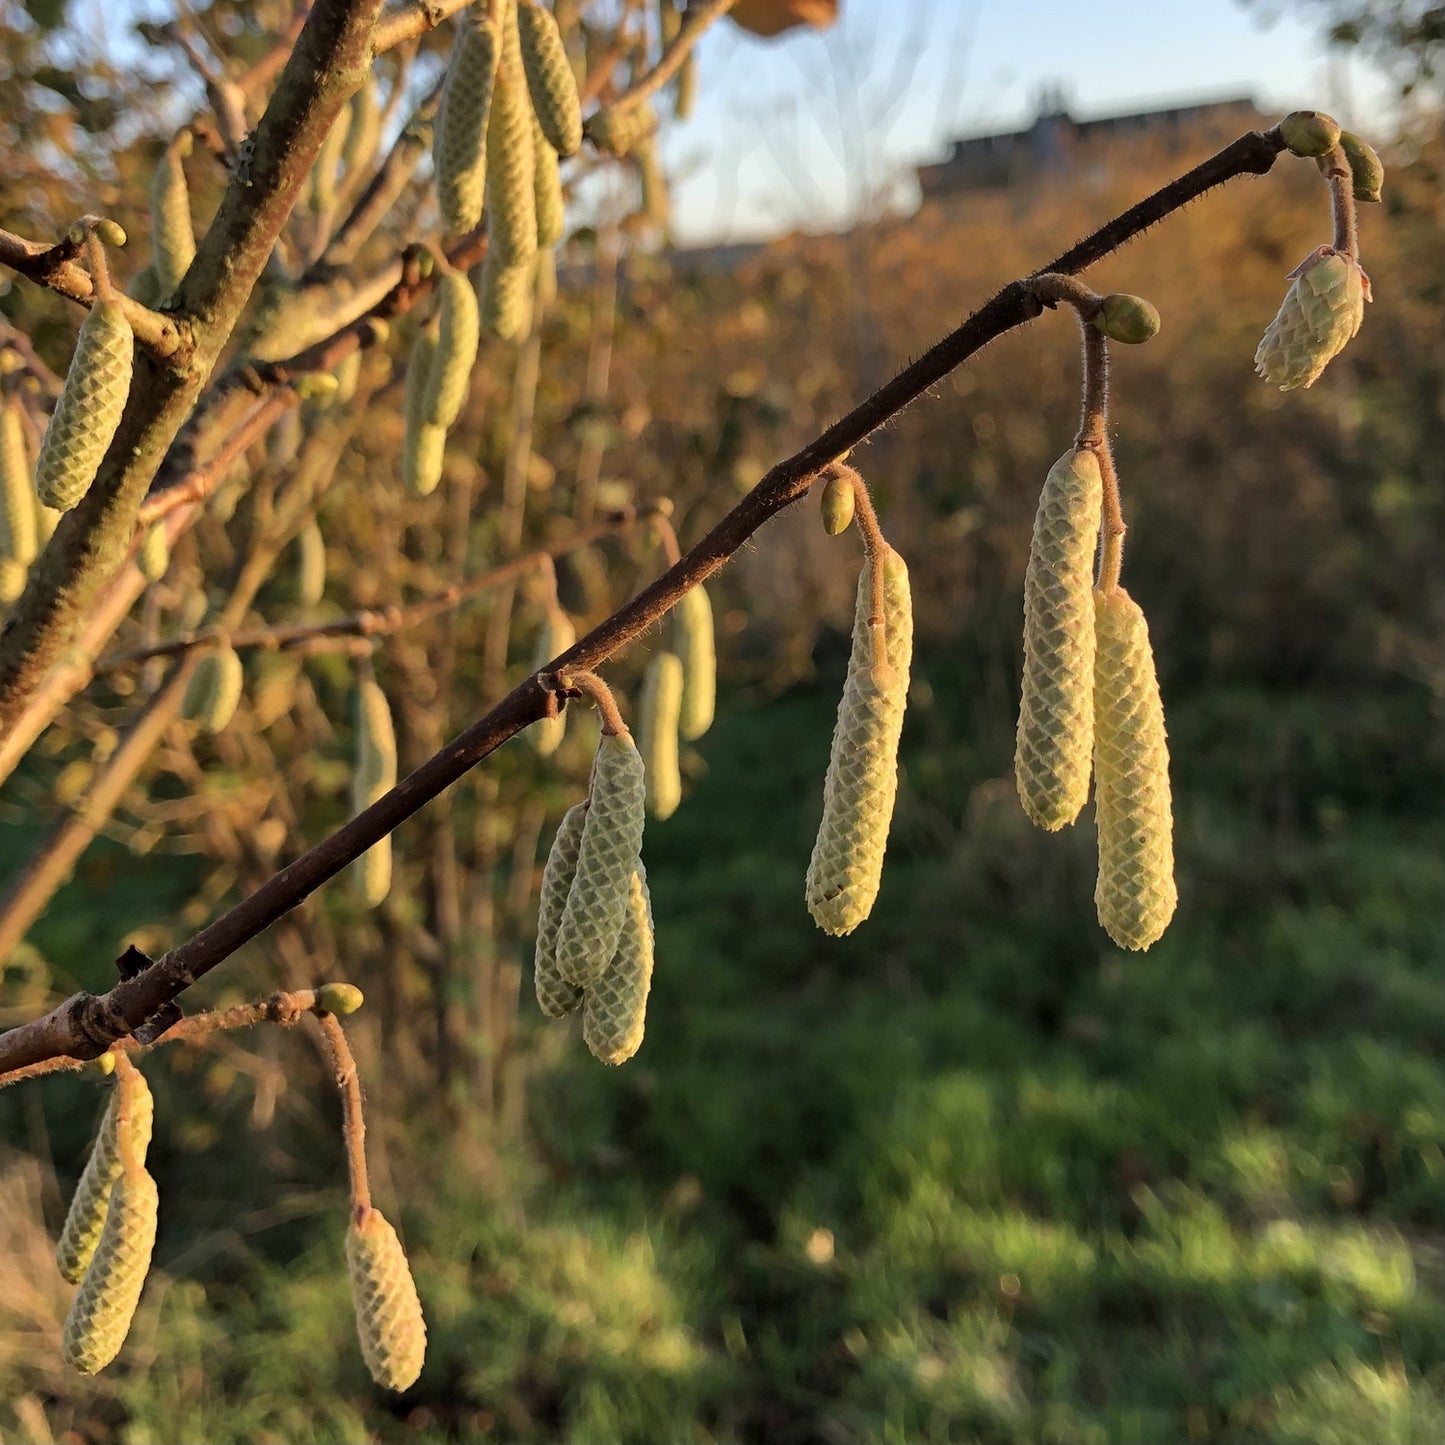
1310 132
615 1014
455 354
89 409
847 863
1136 894
1321 312
389 1321
1127 319
339 998
1055 741
173 240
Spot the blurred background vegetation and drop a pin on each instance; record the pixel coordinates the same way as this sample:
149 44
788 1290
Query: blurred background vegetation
970 1174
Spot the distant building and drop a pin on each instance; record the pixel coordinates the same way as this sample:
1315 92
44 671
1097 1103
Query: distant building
1059 147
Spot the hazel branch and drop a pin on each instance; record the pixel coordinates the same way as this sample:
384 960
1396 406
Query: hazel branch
695 22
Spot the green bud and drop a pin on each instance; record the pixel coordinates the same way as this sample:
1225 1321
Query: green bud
339 998
1310 132
1128 319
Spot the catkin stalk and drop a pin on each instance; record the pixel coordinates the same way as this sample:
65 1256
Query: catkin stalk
862 783
1136 893
511 187
550 81
1055 739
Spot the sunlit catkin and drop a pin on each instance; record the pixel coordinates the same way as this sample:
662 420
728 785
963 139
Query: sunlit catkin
614 1015
547 186
550 81
459 144
86 1217
697 647
310 564
1054 745
153 555
173 239
1136 893
373 775
862 783
100 1315
617 130
389 1323
658 712
506 300
1320 314
214 691
19 534
609 852
555 996
89 409
511 188
424 445
556 636
455 352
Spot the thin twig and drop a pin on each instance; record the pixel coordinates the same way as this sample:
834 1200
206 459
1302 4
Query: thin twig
694 23
342 1063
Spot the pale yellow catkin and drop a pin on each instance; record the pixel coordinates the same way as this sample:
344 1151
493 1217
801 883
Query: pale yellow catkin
323 179
696 645
658 712
555 996
506 300
1054 743
85 1218
610 850
153 555
363 132
547 185
214 691
556 636
455 352
19 534
614 1015
424 445
511 162
310 564
550 81
459 144
846 868
1136 894
373 775
100 1315
389 1322
89 409
173 238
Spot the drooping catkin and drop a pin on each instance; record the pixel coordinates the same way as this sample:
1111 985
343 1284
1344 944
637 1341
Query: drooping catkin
173 238
1320 314
658 712
455 352
506 300
550 81
214 691
374 775
547 185
511 186
89 409
838 502
153 555
862 783
86 1217
389 1323
556 636
614 1015
310 564
555 996
100 1314
1136 893
697 647
19 535
424 445
1054 743
459 144
609 852
363 132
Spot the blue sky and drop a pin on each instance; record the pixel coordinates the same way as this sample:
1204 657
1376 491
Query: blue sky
801 130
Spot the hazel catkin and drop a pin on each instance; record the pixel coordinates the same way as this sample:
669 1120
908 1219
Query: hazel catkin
696 645
1136 893
89 409
389 1322
556 636
614 1015
658 713
19 532
607 855
1054 744
511 188
100 1315
555 996
846 868
550 80
214 691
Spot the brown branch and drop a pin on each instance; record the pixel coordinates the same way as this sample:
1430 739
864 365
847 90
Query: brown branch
695 22
413 19
55 267
84 1025
331 59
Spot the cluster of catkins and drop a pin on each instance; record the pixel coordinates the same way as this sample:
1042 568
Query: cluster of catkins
594 929
509 110
109 1234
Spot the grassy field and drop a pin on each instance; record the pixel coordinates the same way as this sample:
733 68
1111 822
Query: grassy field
968 1175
